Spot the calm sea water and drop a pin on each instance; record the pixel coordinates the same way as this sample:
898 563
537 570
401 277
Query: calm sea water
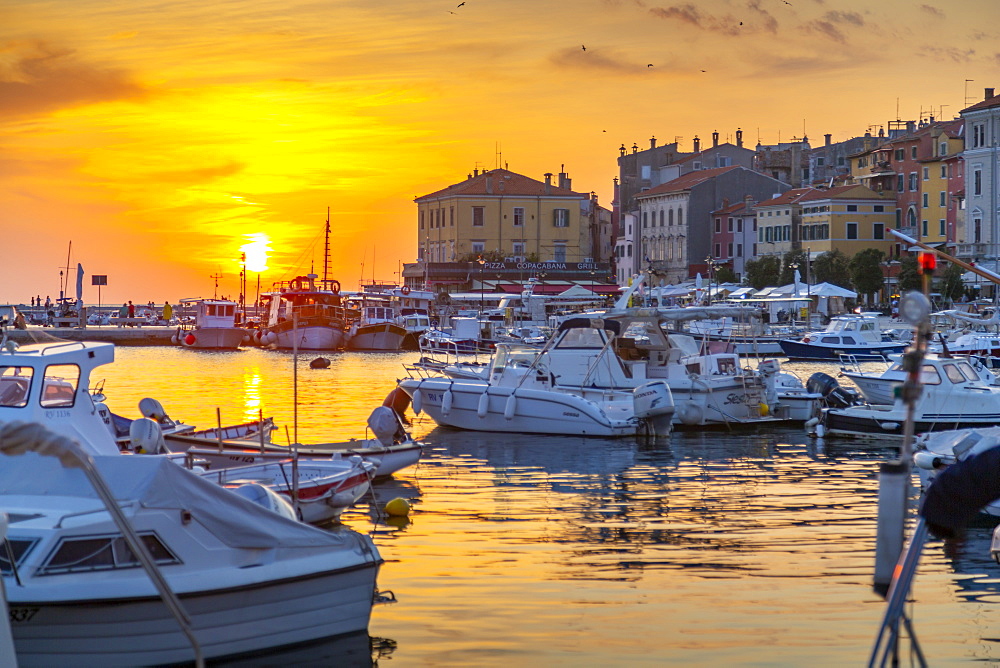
705 549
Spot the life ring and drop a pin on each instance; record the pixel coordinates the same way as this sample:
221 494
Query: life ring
404 290
805 339
336 290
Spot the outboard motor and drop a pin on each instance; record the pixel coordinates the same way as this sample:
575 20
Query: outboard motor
833 394
654 403
385 424
154 410
146 436
266 498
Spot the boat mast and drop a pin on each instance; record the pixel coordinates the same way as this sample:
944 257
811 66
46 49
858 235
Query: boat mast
326 248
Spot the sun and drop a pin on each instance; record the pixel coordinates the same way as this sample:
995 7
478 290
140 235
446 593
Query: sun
256 250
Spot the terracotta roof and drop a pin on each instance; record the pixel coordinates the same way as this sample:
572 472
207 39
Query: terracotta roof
985 104
788 197
687 181
855 191
743 206
502 182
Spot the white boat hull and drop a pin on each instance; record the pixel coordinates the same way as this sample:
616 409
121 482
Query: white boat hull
534 412
383 336
212 338
141 631
310 338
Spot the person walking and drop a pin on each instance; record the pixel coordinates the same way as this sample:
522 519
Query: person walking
48 302
168 312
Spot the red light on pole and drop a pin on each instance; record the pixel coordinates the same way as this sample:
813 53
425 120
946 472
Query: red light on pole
927 263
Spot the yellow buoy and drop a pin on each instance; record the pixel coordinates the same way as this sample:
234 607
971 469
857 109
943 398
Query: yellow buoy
764 410
398 507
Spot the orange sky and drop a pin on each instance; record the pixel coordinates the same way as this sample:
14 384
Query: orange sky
160 137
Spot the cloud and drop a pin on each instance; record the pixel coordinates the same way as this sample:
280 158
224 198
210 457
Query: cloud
197 175
732 26
594 59
852 18
827 29
39 78
952 53
933 11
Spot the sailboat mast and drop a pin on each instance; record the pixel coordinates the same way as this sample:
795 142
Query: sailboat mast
326 249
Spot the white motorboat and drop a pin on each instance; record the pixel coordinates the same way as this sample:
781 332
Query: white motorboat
214 326
880 388
550 391
376 328
933 452
247 578
953 396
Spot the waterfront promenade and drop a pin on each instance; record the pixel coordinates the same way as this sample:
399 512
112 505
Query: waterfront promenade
122 336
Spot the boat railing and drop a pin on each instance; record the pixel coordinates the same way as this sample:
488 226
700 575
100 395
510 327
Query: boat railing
81 513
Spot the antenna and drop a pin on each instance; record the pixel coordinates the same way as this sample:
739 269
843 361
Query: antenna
897 108
965 96
326 248
215 295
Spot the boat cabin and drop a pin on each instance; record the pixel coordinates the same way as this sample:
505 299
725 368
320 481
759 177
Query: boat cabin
212 312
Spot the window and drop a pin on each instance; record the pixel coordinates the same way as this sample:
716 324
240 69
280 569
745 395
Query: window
820 161
913 152
718 250
718 225
978 135
899 155
15 383
925 199
18 546
739 250
878 230
977 182
729 250
923 228
927 173
942 226
518 216
59 385
840 161
559 252
954 375
102 553
478 216
421 220
680 216
478 247
560 217
852 230
670 217
739 224
644 218
943 148
730 225
451 216
944 171
977 230
913 182
878 208
899 182
930 376
518 248
852 207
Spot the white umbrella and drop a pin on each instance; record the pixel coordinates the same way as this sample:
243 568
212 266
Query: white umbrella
798 277
697 281
79 287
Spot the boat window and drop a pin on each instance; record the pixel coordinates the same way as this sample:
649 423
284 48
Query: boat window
15 383
581 337
954 375
727 366
103 553
16 549
867 326
830 339
968 371
59 385
850 340
994 342
930 376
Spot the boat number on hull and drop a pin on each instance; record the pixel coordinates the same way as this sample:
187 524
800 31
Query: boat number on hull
56 414
20 615
571 414
243 459
733 399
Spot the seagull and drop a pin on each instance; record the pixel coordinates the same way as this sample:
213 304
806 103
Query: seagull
583 46
650 65
704 70
460 4
787 3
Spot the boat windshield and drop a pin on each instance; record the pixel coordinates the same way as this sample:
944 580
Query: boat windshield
514 356
968 371
581 337
15 383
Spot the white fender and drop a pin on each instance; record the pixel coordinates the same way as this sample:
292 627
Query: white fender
484 403
446 402
173 339
270 337
690 414
418 401
510 407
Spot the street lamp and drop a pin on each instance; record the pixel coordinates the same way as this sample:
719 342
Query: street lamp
482 296
712 264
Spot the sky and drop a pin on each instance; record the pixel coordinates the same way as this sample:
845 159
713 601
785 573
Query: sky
154 141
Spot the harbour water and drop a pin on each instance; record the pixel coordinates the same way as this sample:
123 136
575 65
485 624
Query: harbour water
704 549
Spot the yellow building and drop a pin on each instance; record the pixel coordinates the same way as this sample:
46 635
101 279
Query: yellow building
500 214
847 218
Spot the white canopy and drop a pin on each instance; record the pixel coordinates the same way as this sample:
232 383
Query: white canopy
831 290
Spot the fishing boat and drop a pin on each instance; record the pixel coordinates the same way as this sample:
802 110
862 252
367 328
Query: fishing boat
376 327
308 313
857 335
214 326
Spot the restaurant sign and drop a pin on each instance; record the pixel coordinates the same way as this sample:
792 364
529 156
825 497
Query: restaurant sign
545 266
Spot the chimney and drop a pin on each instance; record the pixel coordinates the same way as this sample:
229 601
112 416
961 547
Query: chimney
828 138
739 138
475 172
564 181
548 183
489 184
635 148
697 144
989 93
911 126
725 202
715 139
652 142
622 150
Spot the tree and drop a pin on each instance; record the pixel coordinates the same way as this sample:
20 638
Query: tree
950 283
832 267
909 275
797 257
866 271
762 272
724 274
